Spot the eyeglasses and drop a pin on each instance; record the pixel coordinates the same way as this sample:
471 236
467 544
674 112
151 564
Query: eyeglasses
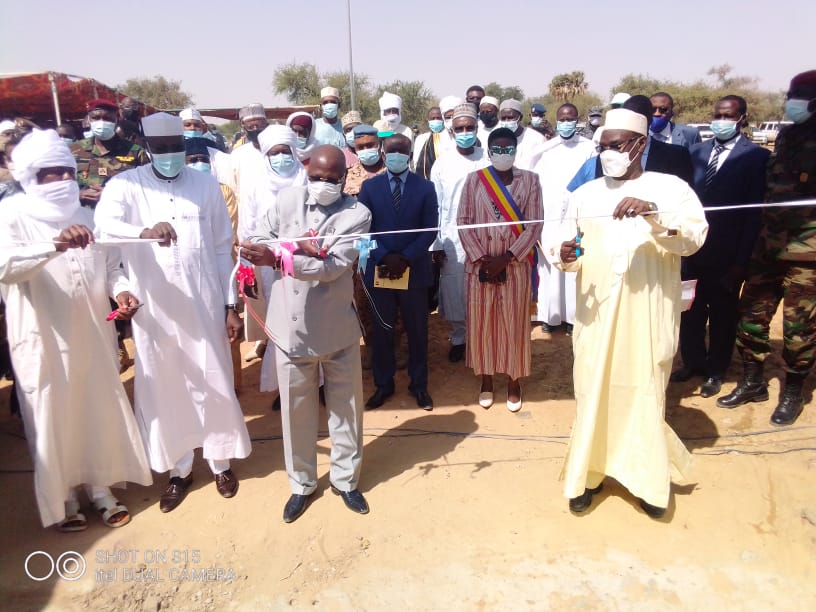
617 147
464 128
198 159
496 150
661 109
323 179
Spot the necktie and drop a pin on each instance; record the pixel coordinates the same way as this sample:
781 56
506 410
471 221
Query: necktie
397 193
711 170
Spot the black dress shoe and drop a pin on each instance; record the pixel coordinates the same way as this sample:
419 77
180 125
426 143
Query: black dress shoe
175 493
654 512
424 401
584 501
379 397
354 500
457 353
569 329
684 374
744 392
711 386
226 483
295 507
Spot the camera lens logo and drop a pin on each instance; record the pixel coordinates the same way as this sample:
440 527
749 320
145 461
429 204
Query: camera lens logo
70 565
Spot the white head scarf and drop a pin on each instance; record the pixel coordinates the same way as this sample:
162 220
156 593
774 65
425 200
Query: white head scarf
389 100
274 135
55 202
311 144
448 103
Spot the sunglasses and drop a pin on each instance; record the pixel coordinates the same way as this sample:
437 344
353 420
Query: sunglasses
661 109
198 159
496 150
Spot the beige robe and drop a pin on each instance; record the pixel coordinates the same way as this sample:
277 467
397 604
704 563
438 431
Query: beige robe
626 328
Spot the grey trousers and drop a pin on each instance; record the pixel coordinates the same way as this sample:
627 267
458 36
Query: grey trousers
343 386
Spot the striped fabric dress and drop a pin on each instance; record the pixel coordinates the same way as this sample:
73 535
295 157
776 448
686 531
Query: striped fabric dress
498 315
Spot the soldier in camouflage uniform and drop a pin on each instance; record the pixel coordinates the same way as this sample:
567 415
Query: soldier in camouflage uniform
783 266
103 155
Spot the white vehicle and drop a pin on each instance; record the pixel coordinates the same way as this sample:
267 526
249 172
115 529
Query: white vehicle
704 129
767 131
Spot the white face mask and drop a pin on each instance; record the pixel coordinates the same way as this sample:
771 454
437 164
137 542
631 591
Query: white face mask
503 161
393 120
324 193
448 124
510 125
615 163
61 199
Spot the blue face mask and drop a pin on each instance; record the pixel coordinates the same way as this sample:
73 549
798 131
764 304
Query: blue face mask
565 129
281 164
103 130
330 110
369 157
193 134
302 142
465 140
797 111
168 164
724 129
397 163
200 166
659 123
436 125
350 139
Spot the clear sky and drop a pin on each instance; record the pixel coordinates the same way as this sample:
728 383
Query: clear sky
225 52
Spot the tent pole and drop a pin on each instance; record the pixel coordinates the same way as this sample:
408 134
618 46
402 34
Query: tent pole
55 96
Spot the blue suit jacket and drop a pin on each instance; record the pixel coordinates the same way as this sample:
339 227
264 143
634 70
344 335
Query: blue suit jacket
740 180
418 209
684 135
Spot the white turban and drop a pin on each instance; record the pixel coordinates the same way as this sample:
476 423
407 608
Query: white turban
330 91
190 113
512 105
277 135
40 149
389 100
162 124
624 119
489 100
448 103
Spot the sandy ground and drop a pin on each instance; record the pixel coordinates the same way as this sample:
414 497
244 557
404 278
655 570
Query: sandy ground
466 514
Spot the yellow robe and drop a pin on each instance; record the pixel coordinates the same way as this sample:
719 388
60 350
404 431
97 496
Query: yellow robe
626 329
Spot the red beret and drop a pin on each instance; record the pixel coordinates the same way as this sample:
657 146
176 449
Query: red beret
807 79
102 103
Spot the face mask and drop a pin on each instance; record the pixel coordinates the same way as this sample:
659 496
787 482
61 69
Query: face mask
536 121
210 136
281 164
369 157
252 136
350 139
103 130
488 118
659 124
397 163
594 121
510 125
200 166
168 164
61 193
724 129
502 162
302 142
324 194
796 110
436 125
193 134
615 163
465 140
565 129
448 124
393 120
68 140
330 110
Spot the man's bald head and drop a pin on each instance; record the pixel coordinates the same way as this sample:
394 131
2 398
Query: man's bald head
398 143
327 163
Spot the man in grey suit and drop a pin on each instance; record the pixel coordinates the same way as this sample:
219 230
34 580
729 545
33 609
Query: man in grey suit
312 322
663 129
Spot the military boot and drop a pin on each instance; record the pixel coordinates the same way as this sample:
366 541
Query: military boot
791 401
752 387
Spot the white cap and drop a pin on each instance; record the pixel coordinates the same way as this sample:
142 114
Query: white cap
162 124
389 100
624 119
329 91
619 98
448 103
190 113
512 105
489 100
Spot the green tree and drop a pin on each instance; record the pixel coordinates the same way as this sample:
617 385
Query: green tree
504 93
159 92
365 99
417 99
299 82
567 86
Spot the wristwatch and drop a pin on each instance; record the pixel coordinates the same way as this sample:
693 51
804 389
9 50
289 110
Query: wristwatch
230 307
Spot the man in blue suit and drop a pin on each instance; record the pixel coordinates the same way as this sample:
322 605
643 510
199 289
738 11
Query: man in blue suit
399 200
663 129
728 170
